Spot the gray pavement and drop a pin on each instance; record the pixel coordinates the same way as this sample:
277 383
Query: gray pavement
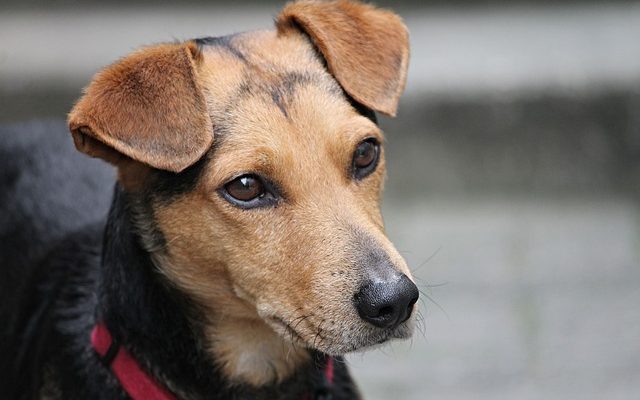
571 47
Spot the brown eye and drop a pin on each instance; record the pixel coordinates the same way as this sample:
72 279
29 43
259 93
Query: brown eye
245 188
365 158
250 191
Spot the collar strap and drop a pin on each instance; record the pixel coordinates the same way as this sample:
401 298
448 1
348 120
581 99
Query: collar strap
135 382
325 391
141 386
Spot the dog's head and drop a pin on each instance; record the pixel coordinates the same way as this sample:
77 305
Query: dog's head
260 167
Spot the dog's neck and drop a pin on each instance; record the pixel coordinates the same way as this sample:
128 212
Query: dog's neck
161 326
143 312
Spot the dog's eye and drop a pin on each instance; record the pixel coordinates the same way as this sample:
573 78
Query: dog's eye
248 191
365 158
245 188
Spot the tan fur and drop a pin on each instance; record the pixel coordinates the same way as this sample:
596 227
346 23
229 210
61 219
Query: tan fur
282 263
274 281
367 49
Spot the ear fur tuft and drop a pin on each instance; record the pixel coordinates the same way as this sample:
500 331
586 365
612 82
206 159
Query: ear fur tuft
148 107
366 48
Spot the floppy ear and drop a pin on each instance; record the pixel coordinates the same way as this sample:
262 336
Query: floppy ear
366 49
148 107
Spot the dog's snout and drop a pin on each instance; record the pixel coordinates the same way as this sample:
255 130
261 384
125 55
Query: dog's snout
387 304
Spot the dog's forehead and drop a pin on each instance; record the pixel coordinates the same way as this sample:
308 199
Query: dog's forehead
258 61
268 89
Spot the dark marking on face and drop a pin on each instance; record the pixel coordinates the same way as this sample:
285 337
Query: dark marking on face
161 189
362 109
165 186
144 221
283 90
279 87
225 42
279 100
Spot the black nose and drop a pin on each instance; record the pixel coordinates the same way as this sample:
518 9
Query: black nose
387 304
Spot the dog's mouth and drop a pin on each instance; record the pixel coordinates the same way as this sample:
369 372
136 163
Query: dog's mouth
352 339
290 332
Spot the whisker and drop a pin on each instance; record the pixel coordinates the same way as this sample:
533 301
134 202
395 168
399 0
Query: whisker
434 302
426 285
435 253
382 349
421 325
295 327
318 333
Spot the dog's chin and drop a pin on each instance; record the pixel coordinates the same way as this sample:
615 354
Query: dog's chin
374 339
402 332
361 337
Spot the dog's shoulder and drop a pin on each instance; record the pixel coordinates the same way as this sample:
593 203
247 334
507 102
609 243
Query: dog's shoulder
45 184
53 202
52 317
47 190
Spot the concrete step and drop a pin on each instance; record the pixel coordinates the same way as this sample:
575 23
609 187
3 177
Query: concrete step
562 46
529 143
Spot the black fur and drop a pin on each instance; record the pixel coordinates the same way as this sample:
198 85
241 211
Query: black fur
225 42
64 266
170 185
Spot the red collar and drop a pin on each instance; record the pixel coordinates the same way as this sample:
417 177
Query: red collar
137 383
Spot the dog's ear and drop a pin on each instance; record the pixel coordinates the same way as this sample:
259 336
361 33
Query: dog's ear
366 48
148 107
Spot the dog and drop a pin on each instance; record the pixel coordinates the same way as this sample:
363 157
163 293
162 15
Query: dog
243 252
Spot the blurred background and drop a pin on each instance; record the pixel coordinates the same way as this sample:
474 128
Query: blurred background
514 177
